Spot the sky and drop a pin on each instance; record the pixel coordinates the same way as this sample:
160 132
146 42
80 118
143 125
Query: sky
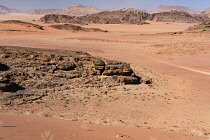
197 5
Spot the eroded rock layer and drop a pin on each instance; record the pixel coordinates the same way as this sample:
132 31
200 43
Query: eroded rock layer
30 74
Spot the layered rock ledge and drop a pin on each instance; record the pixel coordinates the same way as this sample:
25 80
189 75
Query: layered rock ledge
30 74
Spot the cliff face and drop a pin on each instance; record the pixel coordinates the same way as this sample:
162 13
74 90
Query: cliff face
52 18
121 16
126 16
176 16
79 10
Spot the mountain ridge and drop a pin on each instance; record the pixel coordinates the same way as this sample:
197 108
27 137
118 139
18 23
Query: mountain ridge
79 10
163 8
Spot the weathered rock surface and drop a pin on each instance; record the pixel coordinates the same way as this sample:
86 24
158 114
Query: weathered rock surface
176 16
122 16
205 13
126 16
52 18
72 27
27 74
203 27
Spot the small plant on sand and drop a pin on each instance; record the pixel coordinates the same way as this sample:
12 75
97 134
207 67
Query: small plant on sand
118 136
47 135
84 127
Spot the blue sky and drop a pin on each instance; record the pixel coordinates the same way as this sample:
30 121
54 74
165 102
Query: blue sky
105 4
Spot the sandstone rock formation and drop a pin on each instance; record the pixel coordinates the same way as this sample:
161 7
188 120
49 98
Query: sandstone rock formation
203 27
131 16
30 74
79 10
205 13
122 16
52 18
163 8
176 16
72 27
42 11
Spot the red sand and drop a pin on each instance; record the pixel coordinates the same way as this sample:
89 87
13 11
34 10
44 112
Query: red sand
180 61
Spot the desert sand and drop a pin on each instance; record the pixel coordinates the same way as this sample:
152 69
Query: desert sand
175 105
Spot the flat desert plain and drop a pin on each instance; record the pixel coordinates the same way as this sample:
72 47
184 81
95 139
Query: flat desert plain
176 106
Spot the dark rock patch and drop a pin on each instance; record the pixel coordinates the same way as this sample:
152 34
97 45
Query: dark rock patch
3 67
32 74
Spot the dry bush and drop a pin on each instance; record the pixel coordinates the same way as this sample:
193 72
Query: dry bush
47 135
198 133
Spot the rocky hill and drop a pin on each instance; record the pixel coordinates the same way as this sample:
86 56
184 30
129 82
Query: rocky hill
79 10
71 27
4 10
130 16
53 18
42 11
176 16
205 13
203 27
27 75
163 8
26 24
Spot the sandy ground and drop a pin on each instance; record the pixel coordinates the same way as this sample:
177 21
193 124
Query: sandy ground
23 127
179 65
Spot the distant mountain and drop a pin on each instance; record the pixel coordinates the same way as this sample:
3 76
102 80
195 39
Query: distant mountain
13 10
163 8
79 10
4 10
42 11
176 16
122 16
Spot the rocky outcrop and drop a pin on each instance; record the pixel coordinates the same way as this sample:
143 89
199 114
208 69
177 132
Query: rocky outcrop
205 13
78 10
176 16
22 23
28 74
122 16
52 18
163 8
71 27
42 11
203 27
